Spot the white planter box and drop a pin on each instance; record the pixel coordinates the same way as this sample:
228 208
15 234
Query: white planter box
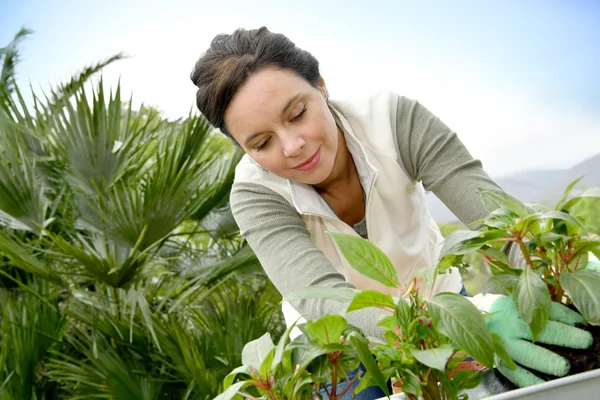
580 386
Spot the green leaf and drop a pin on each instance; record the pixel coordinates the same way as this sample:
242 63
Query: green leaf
505 280
583 287
574 225
371 298
326 330
361 346
243 369
367 259
593 192
493 199
387 323
532 301
342 295
457 318
280 349
232 391
255 352
365 382
492 252
435 358
404 315
267 364
561 203
501 351
411 383
457 242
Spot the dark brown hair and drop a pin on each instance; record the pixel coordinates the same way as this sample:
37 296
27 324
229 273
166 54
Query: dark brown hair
231 59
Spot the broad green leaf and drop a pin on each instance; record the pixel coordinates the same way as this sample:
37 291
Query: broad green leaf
361 346
549 237
591 193
457 318
342 294
457 242
532 301
243 369
492 252
371 298
403 314
575 225
267 364
256 351
367 259
583 287
232 391
493 199
411 383
505 280
387 323
366 381
435 358
327 329
501 351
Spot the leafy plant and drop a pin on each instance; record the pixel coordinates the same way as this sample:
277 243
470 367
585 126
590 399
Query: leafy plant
122 273
425 339
553 247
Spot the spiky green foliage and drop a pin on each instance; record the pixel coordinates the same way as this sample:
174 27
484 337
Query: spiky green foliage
122 273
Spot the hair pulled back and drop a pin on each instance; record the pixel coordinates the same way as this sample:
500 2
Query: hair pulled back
232 59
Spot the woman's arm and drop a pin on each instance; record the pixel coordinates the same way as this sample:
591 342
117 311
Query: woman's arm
432 153
280 240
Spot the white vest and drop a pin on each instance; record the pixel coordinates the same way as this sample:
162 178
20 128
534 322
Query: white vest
397 218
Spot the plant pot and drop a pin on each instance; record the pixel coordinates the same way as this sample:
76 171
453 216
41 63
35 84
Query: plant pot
397 387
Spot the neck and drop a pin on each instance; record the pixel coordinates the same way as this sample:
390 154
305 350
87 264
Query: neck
344 171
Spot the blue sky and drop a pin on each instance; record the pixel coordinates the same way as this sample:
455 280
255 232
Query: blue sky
517 80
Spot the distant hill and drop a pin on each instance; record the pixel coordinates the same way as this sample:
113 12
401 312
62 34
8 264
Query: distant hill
536 186
589 169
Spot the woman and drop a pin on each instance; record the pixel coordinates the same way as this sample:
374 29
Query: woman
314 165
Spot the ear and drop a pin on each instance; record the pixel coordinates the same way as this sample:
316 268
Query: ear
323 88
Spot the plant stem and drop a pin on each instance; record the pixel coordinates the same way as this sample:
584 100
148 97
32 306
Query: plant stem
334 380
525 252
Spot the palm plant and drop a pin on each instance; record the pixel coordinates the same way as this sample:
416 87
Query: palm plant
122 273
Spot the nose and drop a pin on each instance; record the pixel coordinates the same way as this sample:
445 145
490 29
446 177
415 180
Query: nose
292 145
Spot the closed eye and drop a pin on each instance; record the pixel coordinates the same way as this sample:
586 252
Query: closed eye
263 144
299 116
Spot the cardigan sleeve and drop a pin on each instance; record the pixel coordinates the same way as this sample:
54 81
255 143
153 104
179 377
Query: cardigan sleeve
279 238
432 153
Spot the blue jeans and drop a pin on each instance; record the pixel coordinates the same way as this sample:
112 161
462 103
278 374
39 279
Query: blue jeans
373 392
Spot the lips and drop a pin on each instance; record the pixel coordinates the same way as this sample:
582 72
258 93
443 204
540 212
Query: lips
311 162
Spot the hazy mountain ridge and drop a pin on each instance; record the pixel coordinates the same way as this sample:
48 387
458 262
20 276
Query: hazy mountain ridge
535 186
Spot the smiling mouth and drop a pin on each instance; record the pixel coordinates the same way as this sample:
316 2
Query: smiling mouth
308 164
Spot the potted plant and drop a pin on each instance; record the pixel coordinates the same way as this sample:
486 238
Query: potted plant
549 264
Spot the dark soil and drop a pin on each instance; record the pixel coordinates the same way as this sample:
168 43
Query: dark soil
581 360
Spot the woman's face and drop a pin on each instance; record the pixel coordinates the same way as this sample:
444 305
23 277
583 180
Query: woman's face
284 124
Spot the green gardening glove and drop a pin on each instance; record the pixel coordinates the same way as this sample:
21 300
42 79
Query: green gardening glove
516 336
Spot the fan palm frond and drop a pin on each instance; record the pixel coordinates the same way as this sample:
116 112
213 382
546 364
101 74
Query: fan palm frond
10 57
30 328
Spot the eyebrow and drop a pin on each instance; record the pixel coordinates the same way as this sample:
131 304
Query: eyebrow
287 106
